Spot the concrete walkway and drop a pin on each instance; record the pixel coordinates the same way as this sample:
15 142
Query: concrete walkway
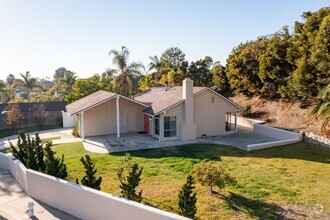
64 134
13 202
135 141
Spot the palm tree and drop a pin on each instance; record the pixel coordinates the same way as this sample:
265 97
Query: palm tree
126 73
322 110
155 63
147 82
28 83
68 80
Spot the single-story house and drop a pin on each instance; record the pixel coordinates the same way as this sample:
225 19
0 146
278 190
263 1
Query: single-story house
165 112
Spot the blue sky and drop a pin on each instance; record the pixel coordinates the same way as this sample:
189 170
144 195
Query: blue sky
41 36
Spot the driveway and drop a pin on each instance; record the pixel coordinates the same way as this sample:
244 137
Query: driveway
135 141
64 134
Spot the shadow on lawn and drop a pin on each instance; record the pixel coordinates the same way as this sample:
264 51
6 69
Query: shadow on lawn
302 151
255 208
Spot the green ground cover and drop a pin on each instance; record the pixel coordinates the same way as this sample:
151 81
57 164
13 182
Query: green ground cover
268 180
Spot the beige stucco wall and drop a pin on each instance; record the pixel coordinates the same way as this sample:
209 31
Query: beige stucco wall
101 120
175 111
209 117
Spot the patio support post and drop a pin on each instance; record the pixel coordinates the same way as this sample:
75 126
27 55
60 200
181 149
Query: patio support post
236 122
82 127
118 116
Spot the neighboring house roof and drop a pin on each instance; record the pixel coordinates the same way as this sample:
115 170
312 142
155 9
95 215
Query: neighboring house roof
93 100
89 101
161 98
49 106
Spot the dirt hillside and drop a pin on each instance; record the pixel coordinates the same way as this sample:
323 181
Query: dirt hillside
287 115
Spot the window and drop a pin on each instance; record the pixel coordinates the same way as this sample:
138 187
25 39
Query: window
156 126
170 126
212 99
230 121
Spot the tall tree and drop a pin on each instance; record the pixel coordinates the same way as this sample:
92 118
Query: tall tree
85 87
125 73
68 80
147 82
59 73
173 57
28 83
322 110
200 72
220 79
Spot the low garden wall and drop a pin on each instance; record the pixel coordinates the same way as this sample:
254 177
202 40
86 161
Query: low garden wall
248 122
82 202
284 137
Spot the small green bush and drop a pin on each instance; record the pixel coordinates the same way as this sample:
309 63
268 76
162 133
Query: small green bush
75 130
247 112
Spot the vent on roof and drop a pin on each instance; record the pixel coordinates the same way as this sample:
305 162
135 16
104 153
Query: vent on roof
165 87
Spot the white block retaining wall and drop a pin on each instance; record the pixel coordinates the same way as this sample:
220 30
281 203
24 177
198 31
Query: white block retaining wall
248 122
284 137
79 201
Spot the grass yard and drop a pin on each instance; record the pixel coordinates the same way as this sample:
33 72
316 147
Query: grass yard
270 182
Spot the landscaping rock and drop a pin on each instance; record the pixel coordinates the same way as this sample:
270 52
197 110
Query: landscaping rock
316 139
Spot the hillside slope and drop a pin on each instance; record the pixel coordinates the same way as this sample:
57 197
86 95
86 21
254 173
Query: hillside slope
287 115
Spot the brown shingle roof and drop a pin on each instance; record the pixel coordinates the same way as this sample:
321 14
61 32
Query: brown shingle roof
89 101
160 99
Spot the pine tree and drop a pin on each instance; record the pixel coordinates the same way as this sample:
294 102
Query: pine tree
54 165
39 152
90 179
187 199
20 152
129 176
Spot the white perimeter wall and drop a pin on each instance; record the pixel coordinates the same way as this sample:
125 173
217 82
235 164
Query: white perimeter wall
82 202
275 132
284 137
68 121
247 122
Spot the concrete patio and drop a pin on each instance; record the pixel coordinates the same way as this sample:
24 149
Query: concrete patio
136 141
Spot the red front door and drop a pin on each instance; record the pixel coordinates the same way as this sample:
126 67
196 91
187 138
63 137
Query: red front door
146 123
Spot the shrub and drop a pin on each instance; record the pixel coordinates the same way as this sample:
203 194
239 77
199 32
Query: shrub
13 115
213 174
247 111
129 175
90 179
31 153
75 130
187 199
54 165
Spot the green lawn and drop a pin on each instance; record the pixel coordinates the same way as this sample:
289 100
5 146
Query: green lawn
297 174
8 132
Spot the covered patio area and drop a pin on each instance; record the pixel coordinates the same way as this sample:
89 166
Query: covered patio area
139 141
